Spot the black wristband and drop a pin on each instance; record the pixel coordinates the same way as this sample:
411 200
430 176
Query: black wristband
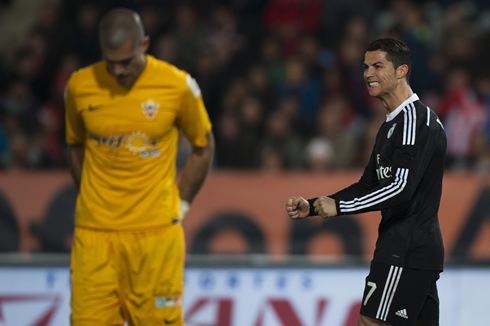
337 205
312 208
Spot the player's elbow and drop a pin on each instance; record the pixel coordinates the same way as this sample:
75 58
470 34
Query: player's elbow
210 145
208 150
404 195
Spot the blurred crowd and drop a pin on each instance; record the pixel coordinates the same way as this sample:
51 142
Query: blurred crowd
282 79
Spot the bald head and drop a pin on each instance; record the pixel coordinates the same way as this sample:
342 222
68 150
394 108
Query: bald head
118 27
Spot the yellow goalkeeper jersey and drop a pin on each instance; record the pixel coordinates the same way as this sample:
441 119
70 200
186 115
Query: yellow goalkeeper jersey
130 136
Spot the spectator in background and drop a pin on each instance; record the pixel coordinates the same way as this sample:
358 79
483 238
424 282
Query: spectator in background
289 20
418 36
51 134
152 21
22 128
49 139
352 84
289 106
334 127
461 114
166 49
226 45
272 160
211 86
271 59
69 64
319 154
480 151
239 133
251 116
19 145
228 153
47 24
27 151
350 55
259 85
332 83
481 144
233 96
188 32
46 18
23 67
36 50
243 49
335 15
309 54
281 143
368 133
357 29
18 106
458 39
305 88
84 38
222 36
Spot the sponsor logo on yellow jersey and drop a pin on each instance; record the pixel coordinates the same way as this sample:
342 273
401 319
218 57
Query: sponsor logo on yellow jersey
150 108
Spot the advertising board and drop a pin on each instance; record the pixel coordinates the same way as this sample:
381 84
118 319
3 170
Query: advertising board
240 296
243 212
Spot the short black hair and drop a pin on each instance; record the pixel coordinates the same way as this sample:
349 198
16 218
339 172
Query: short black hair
397 52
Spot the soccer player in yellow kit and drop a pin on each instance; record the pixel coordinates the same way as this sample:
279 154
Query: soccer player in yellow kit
123 117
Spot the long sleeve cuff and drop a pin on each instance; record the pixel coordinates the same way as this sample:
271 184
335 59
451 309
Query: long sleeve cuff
337 205
312 208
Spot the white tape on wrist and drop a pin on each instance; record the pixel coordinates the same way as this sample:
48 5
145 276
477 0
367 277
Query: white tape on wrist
184 207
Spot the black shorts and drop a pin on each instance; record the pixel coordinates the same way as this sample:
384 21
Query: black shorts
401 296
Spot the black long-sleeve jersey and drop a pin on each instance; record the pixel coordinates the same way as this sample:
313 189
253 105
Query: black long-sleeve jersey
403 179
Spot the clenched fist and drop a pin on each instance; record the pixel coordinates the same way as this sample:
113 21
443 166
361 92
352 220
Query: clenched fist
297 207
325 207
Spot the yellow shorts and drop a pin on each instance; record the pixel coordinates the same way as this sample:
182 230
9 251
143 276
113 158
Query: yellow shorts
132 276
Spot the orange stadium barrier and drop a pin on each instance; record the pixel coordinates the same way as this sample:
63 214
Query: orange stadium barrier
243 212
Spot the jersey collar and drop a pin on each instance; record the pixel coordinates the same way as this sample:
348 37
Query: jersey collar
394 113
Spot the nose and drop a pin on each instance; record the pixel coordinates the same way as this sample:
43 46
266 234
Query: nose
368 72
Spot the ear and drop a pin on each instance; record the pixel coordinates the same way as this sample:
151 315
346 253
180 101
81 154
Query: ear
146 43
401 71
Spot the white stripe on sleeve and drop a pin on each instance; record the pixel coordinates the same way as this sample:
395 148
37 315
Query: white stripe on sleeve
409 124
378 196
404 127
414 123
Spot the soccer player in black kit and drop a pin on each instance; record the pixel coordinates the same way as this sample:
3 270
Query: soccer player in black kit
403 180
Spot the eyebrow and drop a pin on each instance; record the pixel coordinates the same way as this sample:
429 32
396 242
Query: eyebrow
376 63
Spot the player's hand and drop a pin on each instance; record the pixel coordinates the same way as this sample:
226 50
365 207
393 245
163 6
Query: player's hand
184 208
325 207
297 207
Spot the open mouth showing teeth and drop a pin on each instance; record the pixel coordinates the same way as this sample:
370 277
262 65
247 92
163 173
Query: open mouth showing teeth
374 84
